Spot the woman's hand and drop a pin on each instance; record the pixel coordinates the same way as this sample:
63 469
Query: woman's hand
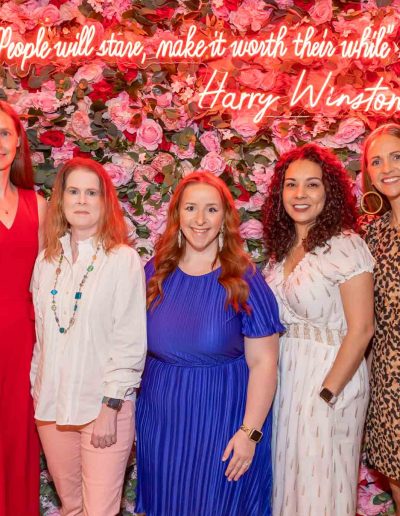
105 428
243 452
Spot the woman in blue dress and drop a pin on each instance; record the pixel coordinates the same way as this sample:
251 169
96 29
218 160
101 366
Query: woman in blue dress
203 414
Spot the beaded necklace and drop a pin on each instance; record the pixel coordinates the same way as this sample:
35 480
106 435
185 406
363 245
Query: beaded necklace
78 294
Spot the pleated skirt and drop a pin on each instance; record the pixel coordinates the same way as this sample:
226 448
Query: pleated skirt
185 418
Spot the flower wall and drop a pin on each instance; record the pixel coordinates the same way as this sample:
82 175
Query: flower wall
142 120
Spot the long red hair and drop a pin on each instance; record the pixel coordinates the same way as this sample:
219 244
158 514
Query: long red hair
113 230
234 261
21 173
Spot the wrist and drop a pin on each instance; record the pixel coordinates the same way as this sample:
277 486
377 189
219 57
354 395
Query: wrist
112 403
252 433
328 396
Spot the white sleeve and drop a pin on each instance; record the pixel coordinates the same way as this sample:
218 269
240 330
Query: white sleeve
129 340
347 256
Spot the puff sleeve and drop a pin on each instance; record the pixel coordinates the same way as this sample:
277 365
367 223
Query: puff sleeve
263 319
347 256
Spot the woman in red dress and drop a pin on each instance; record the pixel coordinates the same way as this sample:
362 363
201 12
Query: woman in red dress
21 216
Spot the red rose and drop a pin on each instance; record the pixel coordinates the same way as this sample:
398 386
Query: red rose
231 5
130 75
165 13
57 3
102 90
129 136
159 178
304 4
53 138
164 145
244 196
77 153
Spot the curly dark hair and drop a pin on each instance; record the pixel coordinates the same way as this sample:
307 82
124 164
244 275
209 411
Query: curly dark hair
339 212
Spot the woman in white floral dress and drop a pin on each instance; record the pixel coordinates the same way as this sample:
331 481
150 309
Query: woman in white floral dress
321 273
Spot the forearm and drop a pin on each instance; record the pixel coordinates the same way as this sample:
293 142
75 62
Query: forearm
347 361
260 393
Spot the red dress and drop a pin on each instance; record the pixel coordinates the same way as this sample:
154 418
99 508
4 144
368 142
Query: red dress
19 444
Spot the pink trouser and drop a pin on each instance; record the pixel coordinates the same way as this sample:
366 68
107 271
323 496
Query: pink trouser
88 480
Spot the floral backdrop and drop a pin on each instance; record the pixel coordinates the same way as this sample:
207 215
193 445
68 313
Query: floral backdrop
143 123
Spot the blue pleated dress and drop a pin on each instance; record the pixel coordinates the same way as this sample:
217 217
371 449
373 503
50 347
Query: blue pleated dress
192 400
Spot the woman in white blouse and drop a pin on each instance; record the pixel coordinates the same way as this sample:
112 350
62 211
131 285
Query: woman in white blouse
89 297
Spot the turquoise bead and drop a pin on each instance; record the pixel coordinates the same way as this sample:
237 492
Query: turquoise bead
90 268
62 330
78 295
53 292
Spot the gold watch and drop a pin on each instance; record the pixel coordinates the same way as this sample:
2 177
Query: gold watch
252 433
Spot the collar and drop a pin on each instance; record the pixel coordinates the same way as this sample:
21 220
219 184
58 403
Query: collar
86 248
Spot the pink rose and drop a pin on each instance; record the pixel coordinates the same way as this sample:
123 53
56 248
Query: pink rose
321 11
251 229
348 131
46 101
162 160
124 161
149 135
120 112
69 11
243 123
251 14
119 175
182 153
80 124
47 15
214 163
210 141
62 154
356 24
164 100
92 72
219 9
262 175
283 145
144 170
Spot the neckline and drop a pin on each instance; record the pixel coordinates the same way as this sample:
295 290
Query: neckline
198 275
16 213
294 269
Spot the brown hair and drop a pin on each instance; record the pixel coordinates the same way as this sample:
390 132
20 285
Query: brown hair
21 173
371 201
234 261
113 231
339 211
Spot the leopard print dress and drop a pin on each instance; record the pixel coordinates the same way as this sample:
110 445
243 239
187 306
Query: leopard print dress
382 434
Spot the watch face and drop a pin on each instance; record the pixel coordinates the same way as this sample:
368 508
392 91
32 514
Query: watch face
256 436
326 394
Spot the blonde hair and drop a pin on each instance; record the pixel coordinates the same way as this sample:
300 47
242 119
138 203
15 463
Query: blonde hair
371 201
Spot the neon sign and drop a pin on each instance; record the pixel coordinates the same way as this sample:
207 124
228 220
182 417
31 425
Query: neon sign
273 48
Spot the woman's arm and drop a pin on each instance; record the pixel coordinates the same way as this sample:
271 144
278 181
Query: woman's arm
261 357
357 296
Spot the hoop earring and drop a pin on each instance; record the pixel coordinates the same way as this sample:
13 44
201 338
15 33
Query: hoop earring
371 192
180 238
221 239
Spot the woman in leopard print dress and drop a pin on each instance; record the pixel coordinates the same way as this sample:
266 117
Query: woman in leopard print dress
381 174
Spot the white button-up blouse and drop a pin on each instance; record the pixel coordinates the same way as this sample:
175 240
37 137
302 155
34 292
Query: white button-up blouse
103 352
